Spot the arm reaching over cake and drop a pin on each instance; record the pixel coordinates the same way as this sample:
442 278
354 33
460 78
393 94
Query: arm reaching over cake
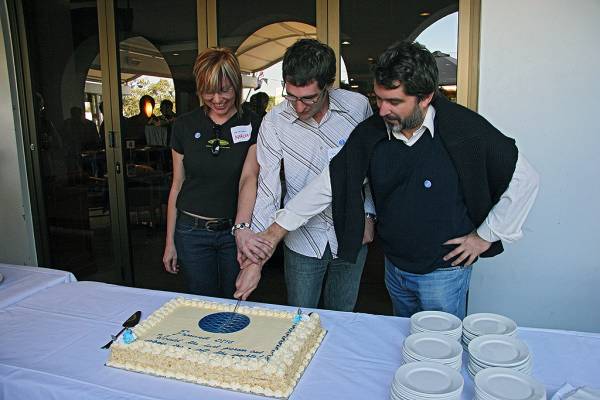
310 201
250 273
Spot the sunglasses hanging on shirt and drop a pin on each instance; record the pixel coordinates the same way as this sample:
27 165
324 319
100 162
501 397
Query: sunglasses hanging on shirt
215 147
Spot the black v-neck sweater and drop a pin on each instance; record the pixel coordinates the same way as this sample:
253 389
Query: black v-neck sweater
419 202
484 160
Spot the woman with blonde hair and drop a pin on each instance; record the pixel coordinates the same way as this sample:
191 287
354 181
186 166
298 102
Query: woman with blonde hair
214 165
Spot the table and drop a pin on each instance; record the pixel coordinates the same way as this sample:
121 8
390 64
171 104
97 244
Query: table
22 281
50 348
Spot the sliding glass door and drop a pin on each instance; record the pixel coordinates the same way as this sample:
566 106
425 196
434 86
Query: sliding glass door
100 165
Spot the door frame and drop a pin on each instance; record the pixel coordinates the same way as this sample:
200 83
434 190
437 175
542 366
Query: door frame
111 95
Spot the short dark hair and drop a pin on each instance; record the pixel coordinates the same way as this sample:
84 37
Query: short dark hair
260 101
410 65
309 60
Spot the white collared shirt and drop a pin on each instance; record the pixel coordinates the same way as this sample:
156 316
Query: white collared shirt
504 221
305 147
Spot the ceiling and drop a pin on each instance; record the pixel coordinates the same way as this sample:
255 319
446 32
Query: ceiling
267 45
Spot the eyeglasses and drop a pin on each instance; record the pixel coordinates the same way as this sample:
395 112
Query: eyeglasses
227 92
215 146
307 100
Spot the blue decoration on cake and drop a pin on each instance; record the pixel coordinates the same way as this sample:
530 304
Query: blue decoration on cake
224 322
128 336
298 317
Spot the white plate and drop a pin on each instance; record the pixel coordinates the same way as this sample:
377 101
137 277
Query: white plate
506 384
432 346
499 350
486 323
428 378
435 321
584 393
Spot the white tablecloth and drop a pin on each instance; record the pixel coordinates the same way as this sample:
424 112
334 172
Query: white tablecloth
21 281
50 349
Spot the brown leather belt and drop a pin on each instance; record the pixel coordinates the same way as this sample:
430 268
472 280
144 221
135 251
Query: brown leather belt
211 225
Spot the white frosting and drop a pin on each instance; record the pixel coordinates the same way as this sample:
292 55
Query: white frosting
266 357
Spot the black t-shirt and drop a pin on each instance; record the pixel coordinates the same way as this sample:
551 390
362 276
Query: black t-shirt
211 182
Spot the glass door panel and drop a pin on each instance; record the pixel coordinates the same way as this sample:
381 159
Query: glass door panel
62 56
157 46
383 22
259 42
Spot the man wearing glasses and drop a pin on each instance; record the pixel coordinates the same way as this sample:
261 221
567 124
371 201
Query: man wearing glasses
304 133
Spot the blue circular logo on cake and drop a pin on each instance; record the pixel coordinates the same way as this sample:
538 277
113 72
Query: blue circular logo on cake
224 322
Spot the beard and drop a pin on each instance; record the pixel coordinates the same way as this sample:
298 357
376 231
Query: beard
413 121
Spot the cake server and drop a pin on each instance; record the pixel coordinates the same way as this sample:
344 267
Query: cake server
129 323
225 324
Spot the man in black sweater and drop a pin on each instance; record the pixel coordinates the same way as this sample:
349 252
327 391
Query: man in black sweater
448 187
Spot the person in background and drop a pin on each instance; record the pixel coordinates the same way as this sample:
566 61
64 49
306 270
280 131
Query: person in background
79 135
448 187
166 111
135 127
260 102
167 117
304 132
213 149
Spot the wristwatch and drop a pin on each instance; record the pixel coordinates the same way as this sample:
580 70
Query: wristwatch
241 225
371 216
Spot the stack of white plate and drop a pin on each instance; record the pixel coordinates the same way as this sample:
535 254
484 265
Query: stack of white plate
507 384
475 325
437 322
426 381
499 351
434 347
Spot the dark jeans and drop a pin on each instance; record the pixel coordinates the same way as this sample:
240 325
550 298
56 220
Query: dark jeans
444 289
304 279
207 258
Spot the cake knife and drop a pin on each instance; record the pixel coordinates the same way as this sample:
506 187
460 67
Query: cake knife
226 324
236 306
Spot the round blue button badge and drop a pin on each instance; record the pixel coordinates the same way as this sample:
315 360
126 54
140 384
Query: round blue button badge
197 135
427 183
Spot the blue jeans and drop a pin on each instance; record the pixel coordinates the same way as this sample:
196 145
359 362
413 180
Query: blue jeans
444 289
304 280
207 258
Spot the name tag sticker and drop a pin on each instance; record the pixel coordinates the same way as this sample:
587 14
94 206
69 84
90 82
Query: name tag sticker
333 152
241 133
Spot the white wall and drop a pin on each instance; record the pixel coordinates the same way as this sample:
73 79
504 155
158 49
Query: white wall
540 83
16 237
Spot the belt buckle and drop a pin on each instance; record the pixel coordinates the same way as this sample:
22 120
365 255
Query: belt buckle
212 226
216 225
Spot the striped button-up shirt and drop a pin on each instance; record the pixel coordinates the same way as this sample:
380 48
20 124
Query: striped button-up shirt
305 147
